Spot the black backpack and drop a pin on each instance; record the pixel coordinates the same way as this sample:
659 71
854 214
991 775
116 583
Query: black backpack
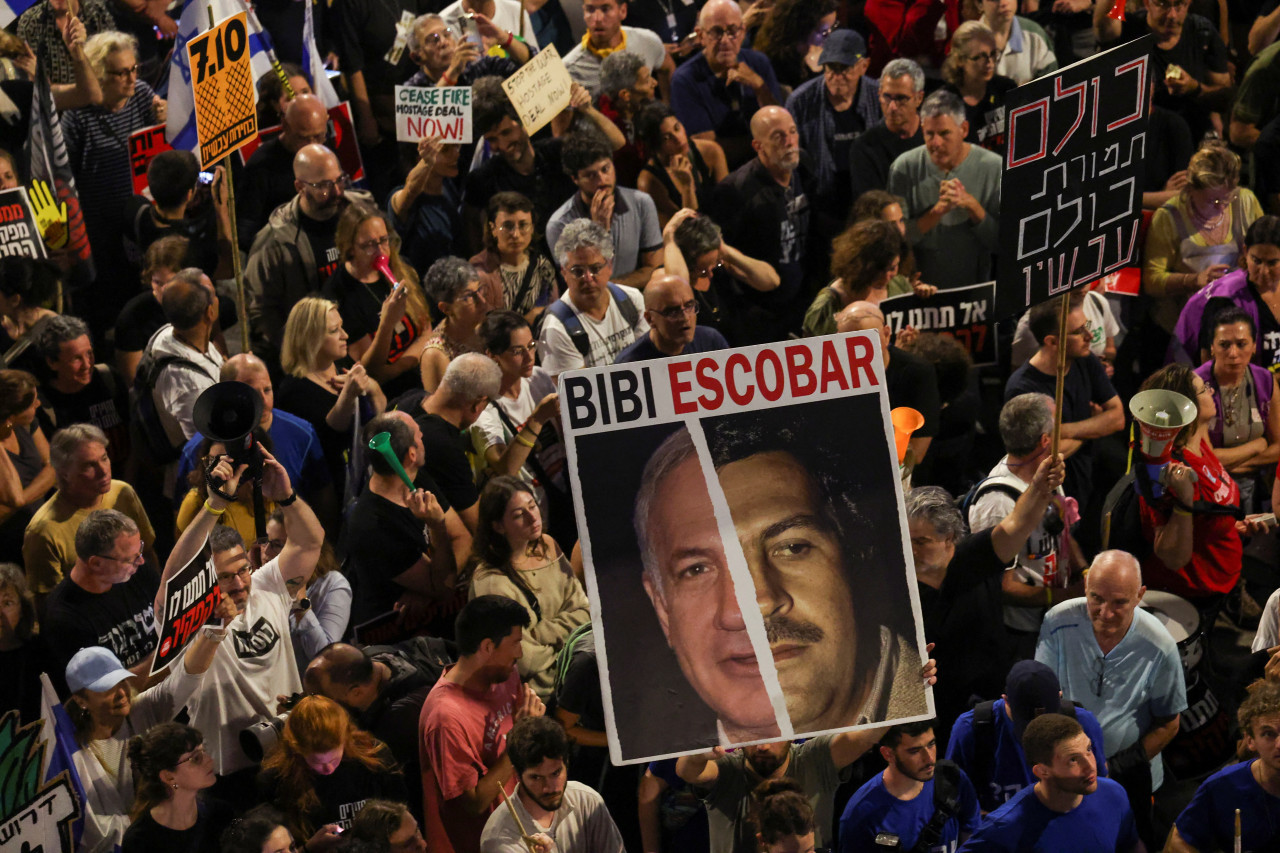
145 414
573 323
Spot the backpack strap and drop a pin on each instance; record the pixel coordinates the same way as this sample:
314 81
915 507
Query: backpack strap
628 308
984 742
572 325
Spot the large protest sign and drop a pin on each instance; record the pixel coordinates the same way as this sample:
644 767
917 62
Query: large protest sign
19 234
190 597
426 111
693 474
222 84
342 141
964 313
540 89
1071 193
37 800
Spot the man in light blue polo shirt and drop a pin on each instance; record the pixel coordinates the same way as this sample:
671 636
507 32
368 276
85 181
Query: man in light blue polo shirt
1121 664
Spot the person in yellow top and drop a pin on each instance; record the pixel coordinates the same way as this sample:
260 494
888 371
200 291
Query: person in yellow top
239 515
1198 235
515 559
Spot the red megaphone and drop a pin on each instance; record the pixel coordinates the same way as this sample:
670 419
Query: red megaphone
383 265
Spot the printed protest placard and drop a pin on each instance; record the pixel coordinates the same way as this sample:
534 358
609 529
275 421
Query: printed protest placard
342 141
693 474
964 313
190 597
1071 193
144 145
19 233
425 111
222 86
540 89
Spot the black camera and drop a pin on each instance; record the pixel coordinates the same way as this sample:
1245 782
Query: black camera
258 739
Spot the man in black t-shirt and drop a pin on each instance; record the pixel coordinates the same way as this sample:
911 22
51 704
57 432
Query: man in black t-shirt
872 153
267 182
78 391
294 254
180 206
107 599
1189 57
470 382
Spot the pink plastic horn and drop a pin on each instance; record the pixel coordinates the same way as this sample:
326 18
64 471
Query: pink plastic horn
383 265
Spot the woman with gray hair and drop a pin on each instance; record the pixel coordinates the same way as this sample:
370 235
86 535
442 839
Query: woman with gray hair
454 286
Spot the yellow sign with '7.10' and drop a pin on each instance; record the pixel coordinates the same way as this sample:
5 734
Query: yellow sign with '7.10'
222 88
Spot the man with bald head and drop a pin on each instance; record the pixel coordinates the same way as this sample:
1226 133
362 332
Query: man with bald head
1120 662
294 254
716 93
672 313
268 176
909 379
763 207
294 442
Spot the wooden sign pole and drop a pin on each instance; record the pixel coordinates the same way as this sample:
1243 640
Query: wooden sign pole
1062 373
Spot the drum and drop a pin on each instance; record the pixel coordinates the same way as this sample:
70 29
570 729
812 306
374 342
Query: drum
1181 619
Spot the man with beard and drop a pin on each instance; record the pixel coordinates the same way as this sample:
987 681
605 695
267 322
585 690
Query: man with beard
1069 808
569 814
672 313
295 253
900 802
466 720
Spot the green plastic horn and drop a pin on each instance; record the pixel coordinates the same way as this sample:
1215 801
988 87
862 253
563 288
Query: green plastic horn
381 443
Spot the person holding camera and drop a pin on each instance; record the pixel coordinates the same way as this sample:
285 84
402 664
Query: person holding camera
258 664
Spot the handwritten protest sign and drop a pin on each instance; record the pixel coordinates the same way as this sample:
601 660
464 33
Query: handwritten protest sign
144 145
342 141
681 469
540 89
1071 193
222 84
425 111
19 234
37 806
964 313
190 598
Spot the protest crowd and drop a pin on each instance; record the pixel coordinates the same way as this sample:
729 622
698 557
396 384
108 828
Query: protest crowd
401 657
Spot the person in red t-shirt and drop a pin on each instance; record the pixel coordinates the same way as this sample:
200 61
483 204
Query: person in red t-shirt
1195 554
462 731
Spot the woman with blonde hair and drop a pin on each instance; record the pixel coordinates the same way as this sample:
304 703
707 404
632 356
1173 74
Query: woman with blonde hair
388 322
1198 236
324 766
970 72
323 386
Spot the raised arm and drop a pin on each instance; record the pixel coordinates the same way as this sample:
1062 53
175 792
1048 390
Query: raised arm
298 559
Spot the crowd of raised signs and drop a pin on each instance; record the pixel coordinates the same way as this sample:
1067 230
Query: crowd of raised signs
401 656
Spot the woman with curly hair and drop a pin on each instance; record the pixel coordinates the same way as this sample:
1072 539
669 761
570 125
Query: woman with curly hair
792 35
387 324
171 768
783 817
324 767
864 259
455 287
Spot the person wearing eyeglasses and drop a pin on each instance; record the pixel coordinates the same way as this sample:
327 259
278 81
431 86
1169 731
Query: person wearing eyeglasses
672 313
716 93
169 812
1025 49
792 36
1188 55
515 271
970 72
108 597
268 180
455 287
901 88
296 252
106 711
1120 663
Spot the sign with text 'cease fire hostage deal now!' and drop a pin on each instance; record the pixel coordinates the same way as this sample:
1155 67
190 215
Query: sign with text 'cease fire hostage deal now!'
222 88
1071 193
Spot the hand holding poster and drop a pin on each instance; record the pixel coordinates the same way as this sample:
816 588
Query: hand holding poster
222 83
964 313
426 111
692 475
1072 187
190 598
540 89
19 234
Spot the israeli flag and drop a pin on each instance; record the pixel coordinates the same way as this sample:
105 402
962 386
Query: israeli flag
180 129
11 9
313 62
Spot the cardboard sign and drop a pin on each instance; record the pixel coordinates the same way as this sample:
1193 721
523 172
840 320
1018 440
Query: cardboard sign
19 233
540 89
687 472
425 111
342 141
144 145
190 598
1071 193
222 86
964 313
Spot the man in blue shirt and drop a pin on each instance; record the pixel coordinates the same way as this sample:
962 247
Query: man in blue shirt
1069 809
1252 787
1120 663
987 741
672 314
900 802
